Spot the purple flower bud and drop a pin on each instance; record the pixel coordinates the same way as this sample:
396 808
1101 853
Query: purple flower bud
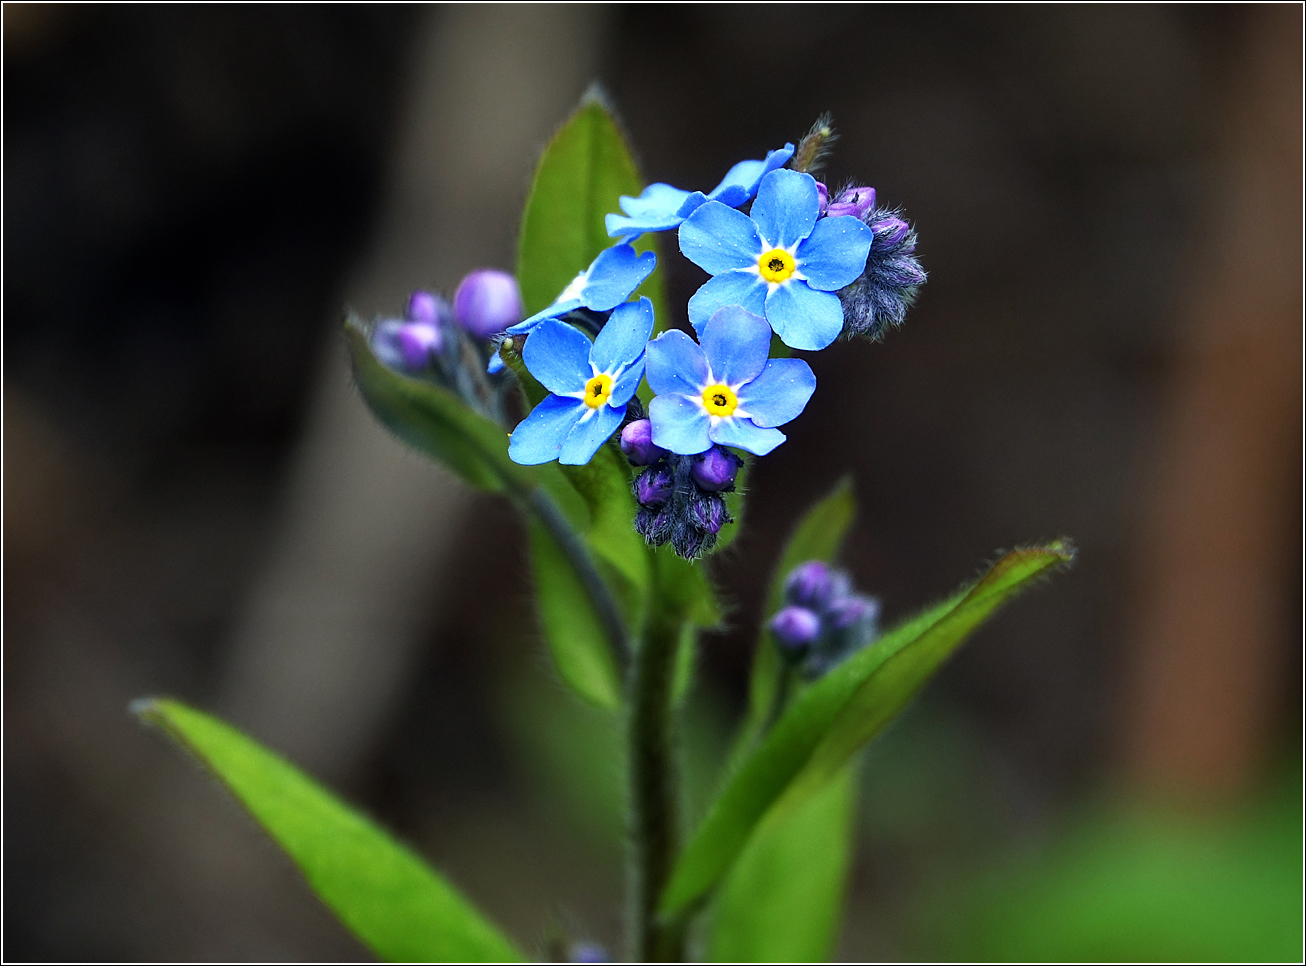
652 487
852 201
709 514
810 585
795 627
847 611
418 341
715 470
487 302
423 307
889 231
822 195
637 443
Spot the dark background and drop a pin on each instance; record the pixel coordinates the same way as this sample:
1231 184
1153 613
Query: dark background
1108 348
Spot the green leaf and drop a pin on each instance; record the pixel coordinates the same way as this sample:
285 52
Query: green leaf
783 899
684 590
827 723
585 169
819 536
573 627
388 897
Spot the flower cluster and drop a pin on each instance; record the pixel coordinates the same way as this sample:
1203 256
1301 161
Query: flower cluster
785 257
823 620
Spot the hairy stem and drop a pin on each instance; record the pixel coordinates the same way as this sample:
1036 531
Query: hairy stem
655 805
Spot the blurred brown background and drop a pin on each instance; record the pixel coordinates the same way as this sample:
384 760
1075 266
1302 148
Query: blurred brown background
1109 347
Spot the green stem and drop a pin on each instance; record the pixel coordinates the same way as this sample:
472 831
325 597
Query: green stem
655 805
538 503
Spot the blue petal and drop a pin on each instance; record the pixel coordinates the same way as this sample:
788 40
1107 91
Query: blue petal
590 432
786 207
802 317
616 273
742 433
740 182
745 289
834 254
679 424
625 385
539 437
779 393
552 312
736 343
675 363
496 363
717 239
622 339
558 356
660 207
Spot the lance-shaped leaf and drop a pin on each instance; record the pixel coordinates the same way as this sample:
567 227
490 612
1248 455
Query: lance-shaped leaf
825 725
584 171
818 536
387 897
782 901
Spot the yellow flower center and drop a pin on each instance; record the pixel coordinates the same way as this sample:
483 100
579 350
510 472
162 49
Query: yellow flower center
719 400
597 390
775 265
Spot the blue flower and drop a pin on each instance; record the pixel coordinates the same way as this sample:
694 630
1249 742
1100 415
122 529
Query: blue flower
661 206
589 385
725 390
780 261
608 282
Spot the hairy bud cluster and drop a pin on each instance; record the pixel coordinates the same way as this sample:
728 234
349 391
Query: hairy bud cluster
824 620
881 295
680 497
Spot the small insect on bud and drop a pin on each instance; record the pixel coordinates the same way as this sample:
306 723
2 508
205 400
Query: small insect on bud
652 487
795 627
810 585
423 307
418 342
852 201
486 302
715 470
637 443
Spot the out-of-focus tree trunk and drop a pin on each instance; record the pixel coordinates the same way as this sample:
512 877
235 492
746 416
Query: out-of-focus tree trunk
1218 527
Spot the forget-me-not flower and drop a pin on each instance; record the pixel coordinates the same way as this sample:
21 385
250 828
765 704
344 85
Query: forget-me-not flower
589 385
780 261
661 206
724 390
608 282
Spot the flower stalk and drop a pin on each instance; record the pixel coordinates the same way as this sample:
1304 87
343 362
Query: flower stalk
654 788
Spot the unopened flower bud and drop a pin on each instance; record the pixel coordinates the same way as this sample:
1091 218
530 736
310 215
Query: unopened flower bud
809 585
637 443
652 487
847 611
852 201
715 470
418 341
487 301
822 196
423 307
889 231
795 627
709 514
